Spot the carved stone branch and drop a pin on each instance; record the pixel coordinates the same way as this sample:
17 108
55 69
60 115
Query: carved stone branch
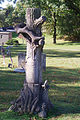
30 33
39 21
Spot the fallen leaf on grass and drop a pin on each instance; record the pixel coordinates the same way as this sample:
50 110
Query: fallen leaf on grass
53 80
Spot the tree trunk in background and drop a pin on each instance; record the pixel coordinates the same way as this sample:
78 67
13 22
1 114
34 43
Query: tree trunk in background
54 35
34 95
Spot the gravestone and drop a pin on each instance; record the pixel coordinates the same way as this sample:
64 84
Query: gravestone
21 60
21 63
34 95
5 36
43 61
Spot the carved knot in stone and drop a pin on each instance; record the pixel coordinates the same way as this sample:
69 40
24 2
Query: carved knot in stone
30 34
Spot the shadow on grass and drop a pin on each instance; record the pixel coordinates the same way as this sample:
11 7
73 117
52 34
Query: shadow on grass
10 86
57 53
69 43
64 90
10 81
16 50
61 75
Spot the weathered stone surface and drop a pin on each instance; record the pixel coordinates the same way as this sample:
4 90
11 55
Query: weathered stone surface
34 95
5 36
43 61
21 60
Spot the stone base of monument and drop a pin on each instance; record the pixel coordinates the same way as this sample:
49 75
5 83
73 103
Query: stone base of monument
19 70
29 102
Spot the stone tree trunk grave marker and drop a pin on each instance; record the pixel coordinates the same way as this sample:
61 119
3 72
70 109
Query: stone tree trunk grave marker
34 95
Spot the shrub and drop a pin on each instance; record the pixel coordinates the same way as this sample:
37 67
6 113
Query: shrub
15 42
9 42
12 42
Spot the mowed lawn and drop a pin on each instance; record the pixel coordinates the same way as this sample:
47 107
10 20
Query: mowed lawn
62 72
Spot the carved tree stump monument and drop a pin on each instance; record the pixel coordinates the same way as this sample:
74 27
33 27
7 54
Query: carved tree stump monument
34 95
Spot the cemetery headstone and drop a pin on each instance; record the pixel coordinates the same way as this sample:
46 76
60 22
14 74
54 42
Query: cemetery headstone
21 63
21 60
43 61
5 36
34 95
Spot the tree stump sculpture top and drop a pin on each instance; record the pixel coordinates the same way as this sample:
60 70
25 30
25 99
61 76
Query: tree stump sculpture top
34 95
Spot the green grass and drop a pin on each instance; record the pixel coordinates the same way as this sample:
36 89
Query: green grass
62 72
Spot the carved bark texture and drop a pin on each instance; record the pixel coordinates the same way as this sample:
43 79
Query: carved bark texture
34 95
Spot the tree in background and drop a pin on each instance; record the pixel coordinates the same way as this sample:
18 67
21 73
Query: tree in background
10 16
69 20
50 9
73 5
2 18
18 14
63 16
6 16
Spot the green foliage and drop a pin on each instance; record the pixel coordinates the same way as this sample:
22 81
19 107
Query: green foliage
68 25
12 42
6 17
11 16
67 15
19 12
2 18
14 34
66 12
